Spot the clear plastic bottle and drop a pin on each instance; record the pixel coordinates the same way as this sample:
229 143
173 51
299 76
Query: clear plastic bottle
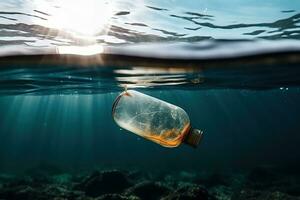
154 119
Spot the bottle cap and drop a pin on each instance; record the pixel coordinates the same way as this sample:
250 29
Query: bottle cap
193 137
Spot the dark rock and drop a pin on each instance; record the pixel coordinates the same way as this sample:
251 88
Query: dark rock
27 180
105 182
60 192
26 188
19 193
189 192
222 192
22 181
116 197
91 177
249 194
278 196
260 184
292 189
56 191
149 190
138 176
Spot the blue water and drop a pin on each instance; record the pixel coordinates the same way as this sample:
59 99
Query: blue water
241 129
233 66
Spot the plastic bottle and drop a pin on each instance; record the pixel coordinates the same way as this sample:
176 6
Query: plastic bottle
154 119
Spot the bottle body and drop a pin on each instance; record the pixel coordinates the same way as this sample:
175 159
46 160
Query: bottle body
151 118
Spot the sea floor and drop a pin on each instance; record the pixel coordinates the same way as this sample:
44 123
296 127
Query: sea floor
44 182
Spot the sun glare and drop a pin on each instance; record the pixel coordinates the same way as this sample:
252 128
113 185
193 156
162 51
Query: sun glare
83 50
81 17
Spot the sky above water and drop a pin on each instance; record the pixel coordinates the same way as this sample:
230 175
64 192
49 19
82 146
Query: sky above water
120 21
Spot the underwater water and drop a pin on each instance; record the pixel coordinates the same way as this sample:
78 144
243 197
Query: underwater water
233 66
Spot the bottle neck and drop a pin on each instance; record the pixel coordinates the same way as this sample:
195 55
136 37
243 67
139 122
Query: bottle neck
193 137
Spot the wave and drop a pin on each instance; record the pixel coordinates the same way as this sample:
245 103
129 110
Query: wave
221 64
